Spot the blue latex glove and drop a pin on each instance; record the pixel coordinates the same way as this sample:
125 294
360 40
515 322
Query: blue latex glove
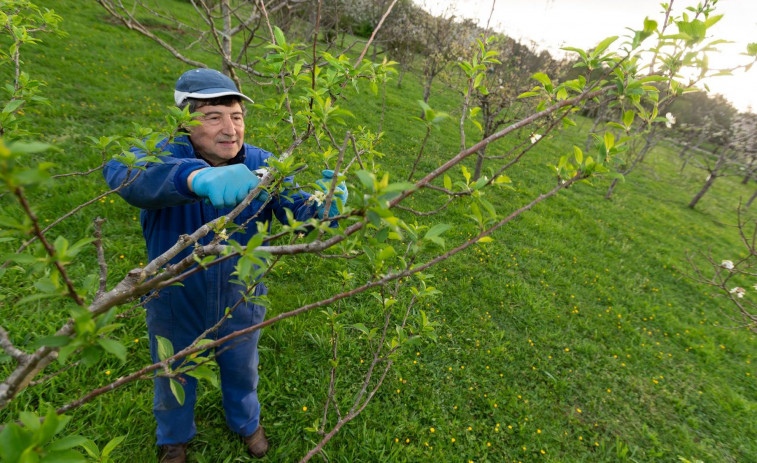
340 193
226 186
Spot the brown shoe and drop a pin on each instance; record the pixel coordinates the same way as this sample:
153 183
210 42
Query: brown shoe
257 443
173 453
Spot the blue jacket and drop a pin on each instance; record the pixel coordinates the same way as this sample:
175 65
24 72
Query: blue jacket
170 209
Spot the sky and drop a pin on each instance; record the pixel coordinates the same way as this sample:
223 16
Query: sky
552 24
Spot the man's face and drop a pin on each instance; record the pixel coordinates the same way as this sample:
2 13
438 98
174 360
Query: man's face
221 135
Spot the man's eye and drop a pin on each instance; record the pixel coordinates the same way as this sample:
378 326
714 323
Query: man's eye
237 119
213 119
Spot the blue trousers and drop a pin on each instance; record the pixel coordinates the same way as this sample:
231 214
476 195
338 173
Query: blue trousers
237 362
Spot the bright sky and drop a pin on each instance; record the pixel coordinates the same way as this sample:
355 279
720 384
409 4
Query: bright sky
584 23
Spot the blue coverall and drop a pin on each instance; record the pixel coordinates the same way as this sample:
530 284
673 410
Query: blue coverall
181 313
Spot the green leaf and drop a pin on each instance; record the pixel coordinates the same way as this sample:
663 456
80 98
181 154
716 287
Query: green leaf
28 147
204 372
478 79
12 106
51 341
528 94
578 154
114 347
111 445
712 20
360 327
603 45
447 182
367 179
543 78
178 391
386 253
165 348
609 140
436 230
502 178
68 442
279 35
65 456
13 441
466 174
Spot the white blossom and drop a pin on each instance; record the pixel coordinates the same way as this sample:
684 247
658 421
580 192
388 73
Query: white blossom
727 264
535 137
318 197
671 119
738 291
755 286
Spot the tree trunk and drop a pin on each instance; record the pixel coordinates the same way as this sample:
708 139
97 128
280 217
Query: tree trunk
754 195
707 185
597 120
403 69
427 91
479 163
648 143
612 187
226 39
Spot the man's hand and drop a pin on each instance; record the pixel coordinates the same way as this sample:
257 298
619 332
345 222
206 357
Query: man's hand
340 192
225 186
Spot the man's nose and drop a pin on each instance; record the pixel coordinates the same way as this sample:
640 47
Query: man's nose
227 125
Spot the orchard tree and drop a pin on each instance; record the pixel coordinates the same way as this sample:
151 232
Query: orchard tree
496 99
443 41
240 21
734 276
745 127
391 256
678 62
401 36
733 154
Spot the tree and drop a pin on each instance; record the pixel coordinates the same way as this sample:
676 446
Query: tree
495 99
734 152
443 41
666 67
393 254
733 276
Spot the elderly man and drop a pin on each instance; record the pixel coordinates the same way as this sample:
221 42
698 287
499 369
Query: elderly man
208 171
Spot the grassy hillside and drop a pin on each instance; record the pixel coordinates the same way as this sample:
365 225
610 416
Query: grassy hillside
574 336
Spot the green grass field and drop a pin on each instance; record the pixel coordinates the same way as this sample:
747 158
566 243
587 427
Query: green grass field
575 336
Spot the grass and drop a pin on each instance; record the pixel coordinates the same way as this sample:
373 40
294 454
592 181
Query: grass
574 336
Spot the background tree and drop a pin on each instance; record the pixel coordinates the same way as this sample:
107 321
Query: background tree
497 98
444 41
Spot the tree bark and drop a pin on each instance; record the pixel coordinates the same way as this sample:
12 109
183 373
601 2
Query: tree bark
707 185
479 163
611 188
754 195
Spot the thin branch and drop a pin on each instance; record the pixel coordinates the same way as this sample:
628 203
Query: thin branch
373 35
100 258
15 353
48 247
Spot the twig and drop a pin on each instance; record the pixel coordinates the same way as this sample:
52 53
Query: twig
18 191
373 35
100 258
5 342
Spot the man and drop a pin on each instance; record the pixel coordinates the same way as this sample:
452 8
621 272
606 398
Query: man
209 171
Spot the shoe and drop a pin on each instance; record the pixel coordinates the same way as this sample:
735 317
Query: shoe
257 443
173 453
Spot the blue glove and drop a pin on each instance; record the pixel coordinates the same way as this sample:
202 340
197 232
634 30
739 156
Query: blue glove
226 186
340 192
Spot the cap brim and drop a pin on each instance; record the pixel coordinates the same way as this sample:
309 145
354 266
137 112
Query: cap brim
207 94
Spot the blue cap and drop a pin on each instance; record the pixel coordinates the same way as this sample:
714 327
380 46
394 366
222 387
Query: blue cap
204 84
